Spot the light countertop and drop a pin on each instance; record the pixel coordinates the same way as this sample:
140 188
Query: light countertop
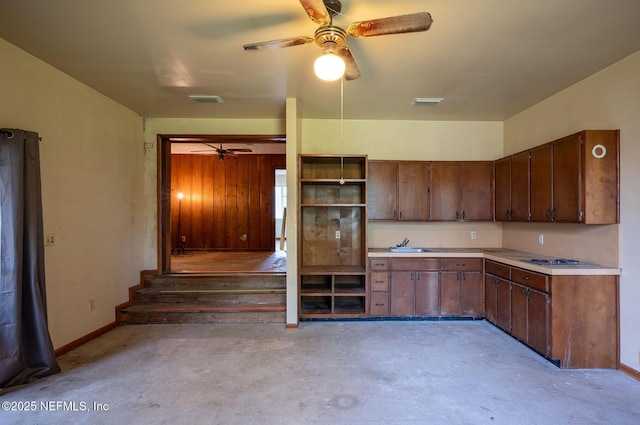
505 256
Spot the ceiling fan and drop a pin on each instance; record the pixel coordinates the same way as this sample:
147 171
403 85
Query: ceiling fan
223 152
332 39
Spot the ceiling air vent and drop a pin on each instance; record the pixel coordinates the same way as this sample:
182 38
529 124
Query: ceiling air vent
205 98
427 101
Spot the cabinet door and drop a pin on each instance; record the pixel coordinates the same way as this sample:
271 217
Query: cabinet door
413 194
427 294
472 294
402 294
520 187
538 321
541 183
476 197
503 301
491 298
519 312
567 188
382 187
503 189
450 292
445 191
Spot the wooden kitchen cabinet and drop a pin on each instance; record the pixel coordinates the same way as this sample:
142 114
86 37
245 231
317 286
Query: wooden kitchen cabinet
398 190
512 188
461 287
571 320
575 179
382 197
461 190
410 286
497 306
332 236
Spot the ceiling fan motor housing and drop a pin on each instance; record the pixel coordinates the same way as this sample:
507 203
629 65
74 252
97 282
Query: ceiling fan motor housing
330 37
333 7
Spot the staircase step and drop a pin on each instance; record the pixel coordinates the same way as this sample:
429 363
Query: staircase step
219 281
251 297
275 296
201 313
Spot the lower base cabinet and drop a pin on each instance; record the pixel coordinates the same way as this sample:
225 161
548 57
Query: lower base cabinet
426 287
571 320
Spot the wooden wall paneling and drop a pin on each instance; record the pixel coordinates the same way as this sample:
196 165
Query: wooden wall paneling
254 203
207 200
266 212
231 236
219 207
196 240
242 206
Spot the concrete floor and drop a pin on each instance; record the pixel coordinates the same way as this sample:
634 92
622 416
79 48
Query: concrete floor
404 372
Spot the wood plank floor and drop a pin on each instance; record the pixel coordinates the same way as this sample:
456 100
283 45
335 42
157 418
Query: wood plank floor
230 261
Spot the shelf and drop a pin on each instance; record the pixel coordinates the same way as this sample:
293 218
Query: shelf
332 259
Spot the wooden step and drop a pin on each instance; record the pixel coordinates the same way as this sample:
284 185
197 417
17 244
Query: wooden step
208 298
189 313
275 296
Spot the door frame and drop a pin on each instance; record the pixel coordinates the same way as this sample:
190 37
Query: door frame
163 191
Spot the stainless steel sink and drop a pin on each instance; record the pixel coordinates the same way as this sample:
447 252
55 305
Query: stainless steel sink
407 249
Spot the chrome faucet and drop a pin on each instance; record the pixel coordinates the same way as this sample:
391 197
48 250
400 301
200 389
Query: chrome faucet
404 243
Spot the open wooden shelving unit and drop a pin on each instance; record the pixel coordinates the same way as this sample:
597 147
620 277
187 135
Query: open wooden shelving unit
332 260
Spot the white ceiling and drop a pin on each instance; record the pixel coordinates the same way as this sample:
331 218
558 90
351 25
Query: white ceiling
488 59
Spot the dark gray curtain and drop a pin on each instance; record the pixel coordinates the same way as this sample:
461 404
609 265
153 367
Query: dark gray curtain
26 352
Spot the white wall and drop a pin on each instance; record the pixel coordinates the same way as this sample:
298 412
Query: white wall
91 166
609 99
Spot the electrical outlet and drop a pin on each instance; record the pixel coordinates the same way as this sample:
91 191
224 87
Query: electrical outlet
541 239
473 234
50 239
92 305
337 234
184 238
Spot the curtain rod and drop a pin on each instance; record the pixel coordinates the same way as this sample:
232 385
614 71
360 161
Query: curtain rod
10 133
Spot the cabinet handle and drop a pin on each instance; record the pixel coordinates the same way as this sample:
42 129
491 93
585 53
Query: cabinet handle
464 275
463 214
379 305
457 215
526 277
400 214
507 215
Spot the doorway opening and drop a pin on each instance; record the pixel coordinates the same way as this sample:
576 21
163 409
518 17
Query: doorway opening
225 217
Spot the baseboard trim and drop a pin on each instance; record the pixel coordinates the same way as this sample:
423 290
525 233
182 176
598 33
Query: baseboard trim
83 340
630 371
291 327
103 330
132 289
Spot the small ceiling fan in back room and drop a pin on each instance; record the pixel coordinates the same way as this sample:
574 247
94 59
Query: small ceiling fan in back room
222 152
337 59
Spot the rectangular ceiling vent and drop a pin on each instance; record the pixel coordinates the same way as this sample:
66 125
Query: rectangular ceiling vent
427 101
205 98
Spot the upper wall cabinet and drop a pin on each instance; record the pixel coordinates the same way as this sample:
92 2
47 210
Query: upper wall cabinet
461 190
574 179
512 188
398 190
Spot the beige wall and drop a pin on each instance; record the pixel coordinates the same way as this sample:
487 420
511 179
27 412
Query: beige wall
609 99
414 140
92 190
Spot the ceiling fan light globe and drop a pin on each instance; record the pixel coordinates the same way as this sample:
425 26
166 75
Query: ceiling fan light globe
329 67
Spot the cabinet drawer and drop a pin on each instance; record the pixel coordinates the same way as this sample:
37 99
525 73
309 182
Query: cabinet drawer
376 264
461 264
497 269
380 281
531 279
413 264
379 304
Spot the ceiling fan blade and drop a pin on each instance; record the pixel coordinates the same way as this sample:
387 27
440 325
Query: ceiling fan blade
414 22
316 11
206 150
278 44
228 153
239 150
351 72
